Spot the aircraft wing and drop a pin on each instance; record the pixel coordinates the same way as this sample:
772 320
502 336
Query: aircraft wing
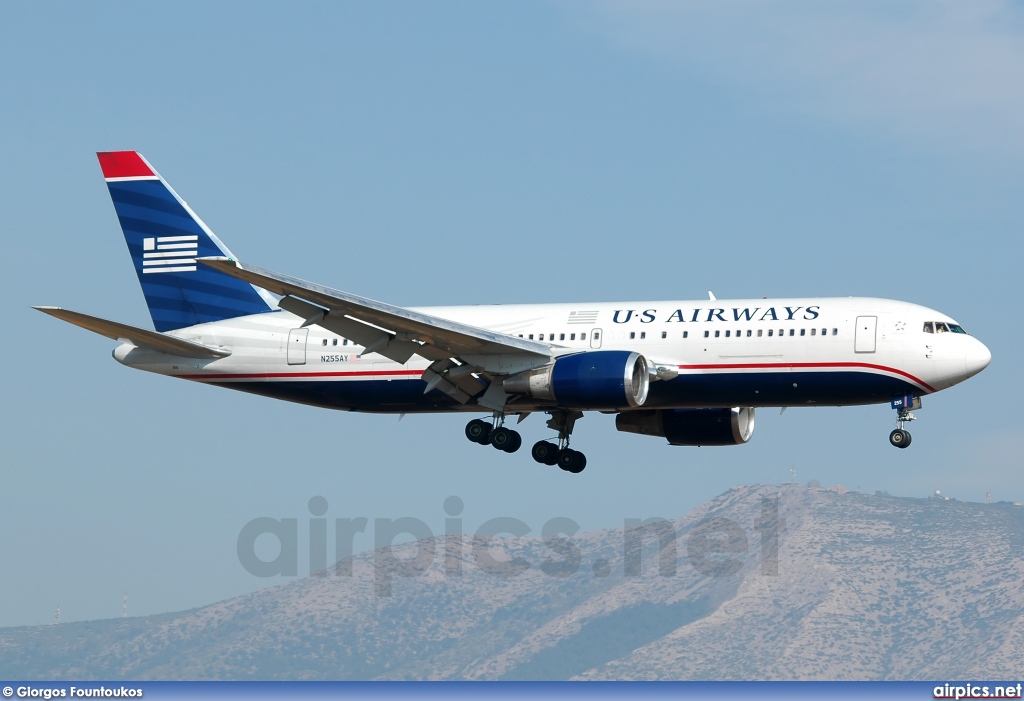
394 332
140 338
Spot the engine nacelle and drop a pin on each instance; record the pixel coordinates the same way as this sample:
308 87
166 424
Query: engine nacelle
691 426
590 380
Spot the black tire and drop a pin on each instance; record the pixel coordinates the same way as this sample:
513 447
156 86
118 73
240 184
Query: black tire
515 444
553 455
501 438
899 438
571 461
478 431
582 465
543 451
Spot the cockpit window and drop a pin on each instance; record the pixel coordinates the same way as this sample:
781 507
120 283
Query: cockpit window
942 327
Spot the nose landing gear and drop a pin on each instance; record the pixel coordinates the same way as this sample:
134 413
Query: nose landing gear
900 437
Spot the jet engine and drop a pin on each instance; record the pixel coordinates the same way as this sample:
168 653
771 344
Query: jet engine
591 380
691 426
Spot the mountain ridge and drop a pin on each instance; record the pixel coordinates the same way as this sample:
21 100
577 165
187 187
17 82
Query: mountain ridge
762 582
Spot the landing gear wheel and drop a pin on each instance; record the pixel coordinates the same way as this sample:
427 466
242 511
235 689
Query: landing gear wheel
478 431
572 461
900 438
545 453
506 439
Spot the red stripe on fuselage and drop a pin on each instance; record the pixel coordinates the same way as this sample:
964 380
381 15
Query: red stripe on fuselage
270 375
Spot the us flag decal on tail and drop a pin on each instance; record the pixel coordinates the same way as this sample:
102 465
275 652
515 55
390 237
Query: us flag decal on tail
170 254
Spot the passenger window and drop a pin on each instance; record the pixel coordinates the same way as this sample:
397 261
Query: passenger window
643 335
531 336
813 331
824 332
664 334
325 342
759 333
572 337
583 336
727 334
835 332
770 332
334 342
686 334
928 327
717 333
540 337
792 332
706 334
803 331
344 341
561 337
750 333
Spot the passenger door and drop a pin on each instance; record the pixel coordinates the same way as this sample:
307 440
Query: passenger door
864 337
297 346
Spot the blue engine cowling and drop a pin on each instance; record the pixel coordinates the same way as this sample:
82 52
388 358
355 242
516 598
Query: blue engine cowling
591 380
691 426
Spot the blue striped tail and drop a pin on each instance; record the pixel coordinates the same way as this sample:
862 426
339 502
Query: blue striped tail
164 238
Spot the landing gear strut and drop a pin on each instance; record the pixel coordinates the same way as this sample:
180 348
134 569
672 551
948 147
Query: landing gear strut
479 431
550 453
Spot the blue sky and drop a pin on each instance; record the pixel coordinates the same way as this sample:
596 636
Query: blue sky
451 153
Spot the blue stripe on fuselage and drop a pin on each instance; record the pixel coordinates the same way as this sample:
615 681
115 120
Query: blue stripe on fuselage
833 388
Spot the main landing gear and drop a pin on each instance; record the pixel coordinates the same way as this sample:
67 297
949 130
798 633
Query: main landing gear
545 452
479 431
550 453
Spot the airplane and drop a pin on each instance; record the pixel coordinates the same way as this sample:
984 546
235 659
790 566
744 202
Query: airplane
692 372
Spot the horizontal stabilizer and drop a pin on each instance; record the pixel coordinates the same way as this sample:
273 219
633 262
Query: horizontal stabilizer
141 338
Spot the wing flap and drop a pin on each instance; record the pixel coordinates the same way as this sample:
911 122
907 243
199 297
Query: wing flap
141 338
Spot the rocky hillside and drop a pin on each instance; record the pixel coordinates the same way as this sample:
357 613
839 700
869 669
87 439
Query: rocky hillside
763 582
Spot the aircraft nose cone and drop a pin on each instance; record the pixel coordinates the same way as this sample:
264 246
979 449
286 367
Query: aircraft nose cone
978 357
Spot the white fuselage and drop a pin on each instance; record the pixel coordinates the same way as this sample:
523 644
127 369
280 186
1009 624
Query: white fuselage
764 352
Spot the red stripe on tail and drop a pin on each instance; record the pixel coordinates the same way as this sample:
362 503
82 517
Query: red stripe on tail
123 164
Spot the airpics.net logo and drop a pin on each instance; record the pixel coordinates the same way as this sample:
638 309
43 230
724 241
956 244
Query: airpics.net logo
715 546
169 254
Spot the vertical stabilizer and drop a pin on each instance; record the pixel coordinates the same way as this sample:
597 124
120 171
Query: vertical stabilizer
164 238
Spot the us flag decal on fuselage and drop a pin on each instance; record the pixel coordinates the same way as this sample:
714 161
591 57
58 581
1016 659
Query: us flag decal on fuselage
170 254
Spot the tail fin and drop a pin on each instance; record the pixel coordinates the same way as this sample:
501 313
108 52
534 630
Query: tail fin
164 238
